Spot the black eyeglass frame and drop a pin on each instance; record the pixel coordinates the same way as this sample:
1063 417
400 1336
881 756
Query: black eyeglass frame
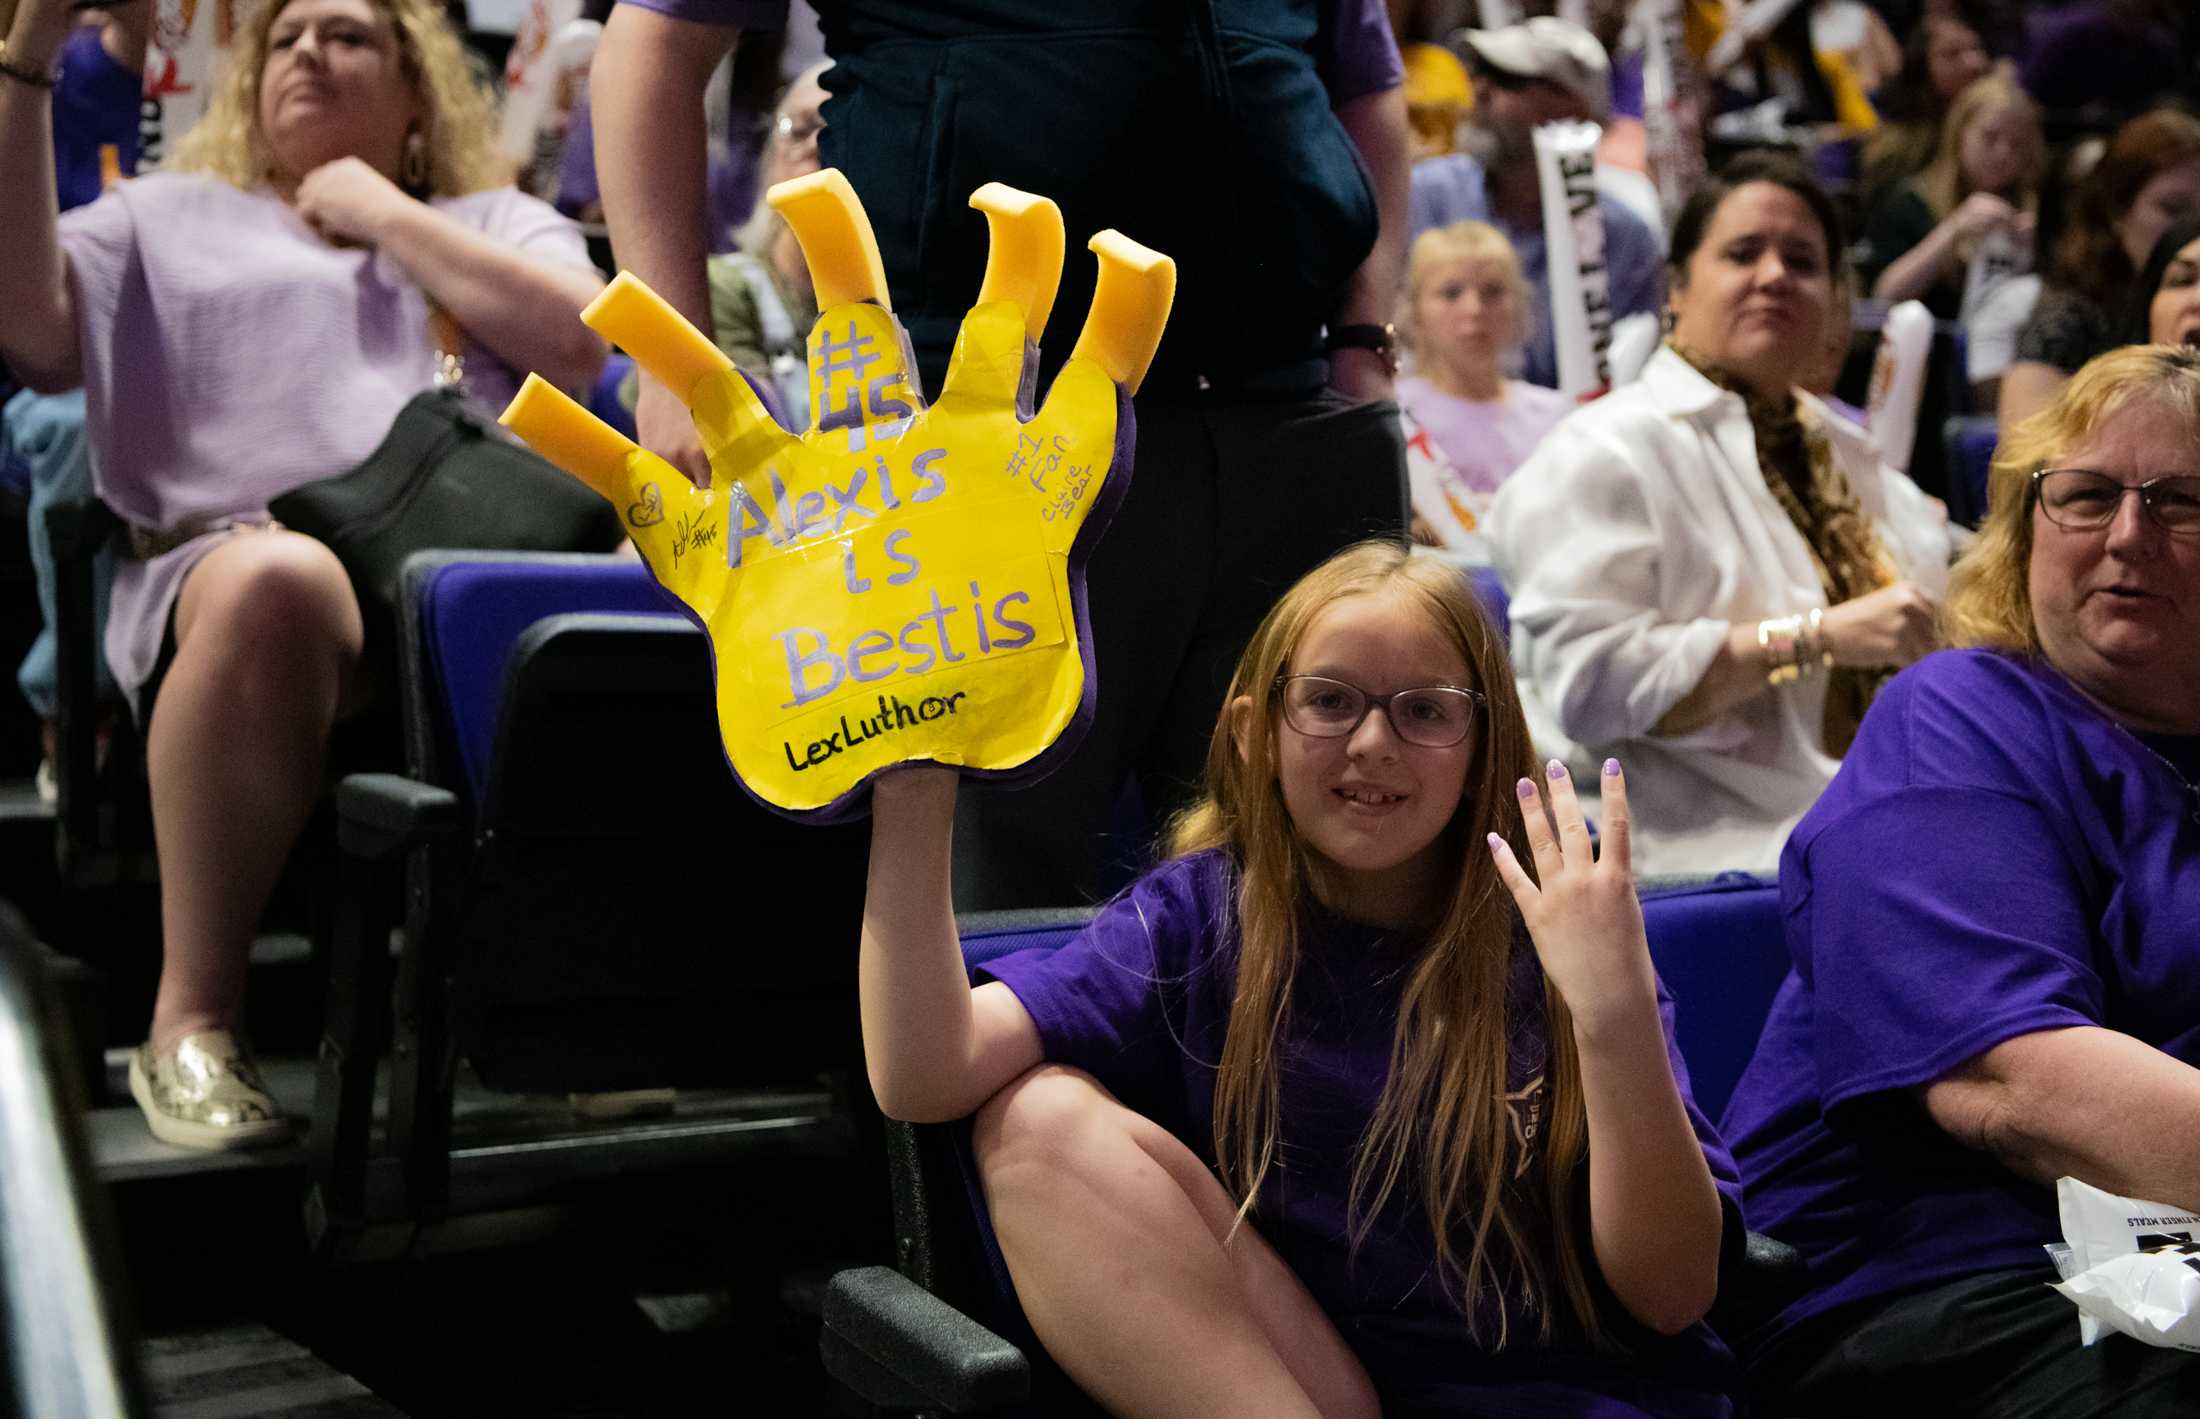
2144 490
1476 702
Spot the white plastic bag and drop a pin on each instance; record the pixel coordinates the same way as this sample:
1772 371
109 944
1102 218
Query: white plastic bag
2131 1266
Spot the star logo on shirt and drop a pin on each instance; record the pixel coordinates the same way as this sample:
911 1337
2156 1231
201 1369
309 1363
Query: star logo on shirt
1524 1107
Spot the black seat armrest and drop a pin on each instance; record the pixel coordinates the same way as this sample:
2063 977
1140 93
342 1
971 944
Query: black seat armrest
380 813
1770 1276
875 1314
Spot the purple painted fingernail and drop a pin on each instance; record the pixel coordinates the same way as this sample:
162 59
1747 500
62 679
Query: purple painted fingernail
1611 768
1496 842
1557 771
1527 788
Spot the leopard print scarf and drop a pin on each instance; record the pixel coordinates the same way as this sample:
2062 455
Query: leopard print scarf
1799 468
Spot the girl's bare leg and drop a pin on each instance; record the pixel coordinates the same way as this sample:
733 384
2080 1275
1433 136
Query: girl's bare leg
1114 1233
267 642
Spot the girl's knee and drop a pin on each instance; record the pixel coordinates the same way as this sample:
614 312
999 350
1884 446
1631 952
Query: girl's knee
1043 1111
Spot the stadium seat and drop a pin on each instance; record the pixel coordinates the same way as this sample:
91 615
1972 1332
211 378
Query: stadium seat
942 1331
1719 949
104 827
593 906
1970 440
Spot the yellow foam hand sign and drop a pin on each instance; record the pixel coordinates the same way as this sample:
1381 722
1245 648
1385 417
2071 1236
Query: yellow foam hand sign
901 582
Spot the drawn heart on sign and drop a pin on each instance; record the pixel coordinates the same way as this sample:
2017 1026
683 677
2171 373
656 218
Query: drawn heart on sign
647 510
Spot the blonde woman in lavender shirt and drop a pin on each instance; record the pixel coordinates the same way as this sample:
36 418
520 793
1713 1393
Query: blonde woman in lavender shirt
1467 425
244 323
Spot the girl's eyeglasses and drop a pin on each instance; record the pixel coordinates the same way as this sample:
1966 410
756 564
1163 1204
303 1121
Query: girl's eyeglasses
2082 500
1435 717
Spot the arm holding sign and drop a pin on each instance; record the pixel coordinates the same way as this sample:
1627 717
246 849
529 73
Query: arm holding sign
895 598
936 1049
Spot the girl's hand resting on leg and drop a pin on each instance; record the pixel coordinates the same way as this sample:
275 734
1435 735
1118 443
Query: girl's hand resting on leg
1580 909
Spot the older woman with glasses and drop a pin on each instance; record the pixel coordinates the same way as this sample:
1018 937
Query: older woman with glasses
1991 913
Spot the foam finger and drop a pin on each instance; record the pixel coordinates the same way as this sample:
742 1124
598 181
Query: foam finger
1130 308
1023 263
639 321
551 423
835 234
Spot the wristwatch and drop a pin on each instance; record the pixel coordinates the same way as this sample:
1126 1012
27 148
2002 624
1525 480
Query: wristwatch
1382 339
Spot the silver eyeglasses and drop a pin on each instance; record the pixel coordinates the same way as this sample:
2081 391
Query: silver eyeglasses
1434 717
2083 500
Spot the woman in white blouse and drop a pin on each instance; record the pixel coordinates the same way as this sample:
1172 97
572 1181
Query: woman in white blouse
1711 573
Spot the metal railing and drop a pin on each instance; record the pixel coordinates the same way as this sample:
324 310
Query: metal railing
66 1355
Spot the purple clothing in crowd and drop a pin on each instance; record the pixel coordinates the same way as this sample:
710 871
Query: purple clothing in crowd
1141 1000
1994 858
94 106
1357 51
230 354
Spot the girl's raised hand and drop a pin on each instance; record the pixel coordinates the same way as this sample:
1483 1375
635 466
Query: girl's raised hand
1580 909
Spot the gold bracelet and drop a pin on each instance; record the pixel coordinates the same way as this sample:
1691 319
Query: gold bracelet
23 73
1816 656
1778 636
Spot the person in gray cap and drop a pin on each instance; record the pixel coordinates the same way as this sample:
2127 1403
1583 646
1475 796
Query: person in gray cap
1544 70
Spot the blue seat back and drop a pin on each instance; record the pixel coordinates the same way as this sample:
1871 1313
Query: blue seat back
603 395
465 612
1718 946
1721 953
1971 442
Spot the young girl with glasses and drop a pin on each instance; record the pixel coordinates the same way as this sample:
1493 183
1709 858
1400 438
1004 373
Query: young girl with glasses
1365 1100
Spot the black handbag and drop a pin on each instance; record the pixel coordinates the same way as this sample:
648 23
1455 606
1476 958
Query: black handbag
446 475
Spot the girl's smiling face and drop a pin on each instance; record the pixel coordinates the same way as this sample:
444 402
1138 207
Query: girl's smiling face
1371 808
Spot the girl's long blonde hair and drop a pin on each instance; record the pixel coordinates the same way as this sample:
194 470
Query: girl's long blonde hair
457 115
1441 1124
1942 183
1990 591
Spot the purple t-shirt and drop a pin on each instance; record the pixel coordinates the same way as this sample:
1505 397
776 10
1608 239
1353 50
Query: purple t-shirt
1357 50
1141 1000
95 106
1994 858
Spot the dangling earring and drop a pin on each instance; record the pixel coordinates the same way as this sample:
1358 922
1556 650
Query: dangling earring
412 168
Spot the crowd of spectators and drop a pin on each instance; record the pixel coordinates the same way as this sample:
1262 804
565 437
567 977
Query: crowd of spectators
1968 754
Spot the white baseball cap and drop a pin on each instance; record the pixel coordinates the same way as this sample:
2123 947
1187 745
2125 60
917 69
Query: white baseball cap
1546 48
